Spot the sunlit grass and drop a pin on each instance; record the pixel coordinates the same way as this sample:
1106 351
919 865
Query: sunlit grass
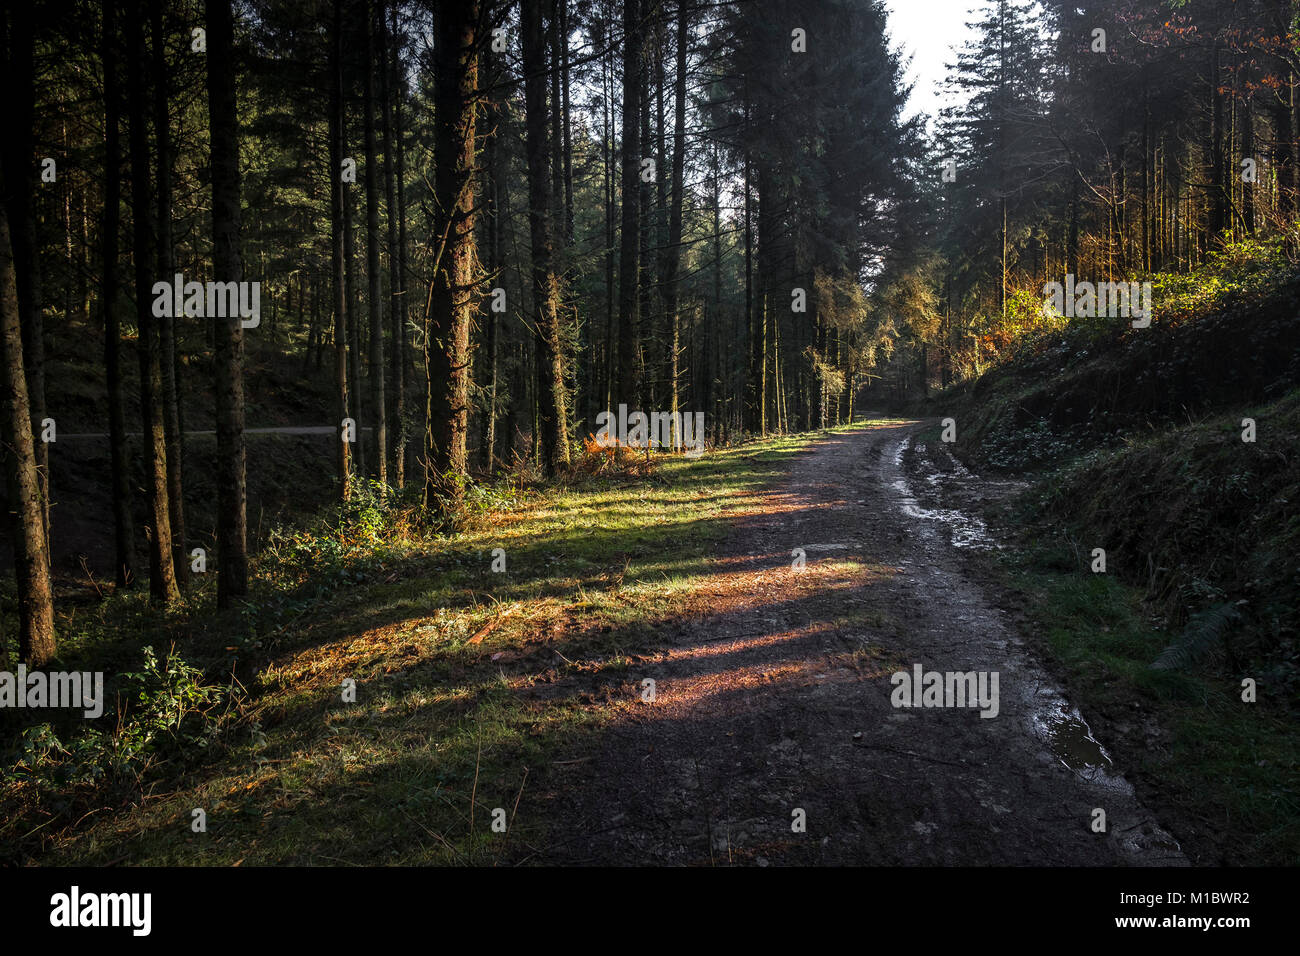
445 654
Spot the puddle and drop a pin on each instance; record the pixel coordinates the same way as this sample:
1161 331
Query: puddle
1070 740
967 531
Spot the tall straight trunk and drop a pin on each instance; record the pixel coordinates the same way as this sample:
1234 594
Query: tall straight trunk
648 278
672 255
488 437
567 148
556 115
760 351
1146 184
167 322
446 343
397 384
628 385
123 532
552 426
343 451
1215 195
403 355
753 410
1284 153
1072 234
31 556
1248 149
488 432
354 320
718 380
375 294
657 237
19 150
162 571
232 523
607 163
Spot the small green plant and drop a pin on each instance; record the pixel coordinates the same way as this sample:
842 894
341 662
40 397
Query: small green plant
168 710
172 707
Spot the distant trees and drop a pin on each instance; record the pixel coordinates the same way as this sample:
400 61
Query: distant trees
676 206
1104 140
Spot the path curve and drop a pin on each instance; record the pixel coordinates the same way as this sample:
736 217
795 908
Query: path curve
779 701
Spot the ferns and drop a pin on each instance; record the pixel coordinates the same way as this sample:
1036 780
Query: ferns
1203 633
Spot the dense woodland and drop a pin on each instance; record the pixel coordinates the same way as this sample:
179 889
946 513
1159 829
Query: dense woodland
478 224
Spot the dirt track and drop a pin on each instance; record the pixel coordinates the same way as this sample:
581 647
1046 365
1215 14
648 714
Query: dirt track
780 699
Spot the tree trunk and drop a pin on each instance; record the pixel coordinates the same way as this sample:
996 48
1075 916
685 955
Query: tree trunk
446 343
1215 197
397 384
167 322
567 124
232 524
628 385
401 344
354 318
18 157
488 433
553 430
673 254
375 294
162 573
123 532
343 451
31 557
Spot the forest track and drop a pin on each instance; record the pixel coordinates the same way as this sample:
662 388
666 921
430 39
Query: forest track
778 699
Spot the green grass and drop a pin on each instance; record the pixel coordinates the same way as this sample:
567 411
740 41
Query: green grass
440 734
1226 773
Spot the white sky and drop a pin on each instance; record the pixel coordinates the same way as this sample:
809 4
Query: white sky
930 31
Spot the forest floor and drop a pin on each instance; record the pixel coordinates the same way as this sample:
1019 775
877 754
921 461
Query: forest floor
521 697
777 697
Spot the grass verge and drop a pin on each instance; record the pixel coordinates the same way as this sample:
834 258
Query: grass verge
466 679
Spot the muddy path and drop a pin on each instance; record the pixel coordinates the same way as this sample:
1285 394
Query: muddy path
778 699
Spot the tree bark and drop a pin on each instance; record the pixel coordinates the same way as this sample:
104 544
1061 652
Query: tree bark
167 322
673 253
446 342
375 283
552 426
18 157
123 531
401 344
232 522
31 557
397 381
163 587
343 450
628 384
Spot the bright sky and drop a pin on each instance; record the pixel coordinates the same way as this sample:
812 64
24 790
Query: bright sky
930 31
